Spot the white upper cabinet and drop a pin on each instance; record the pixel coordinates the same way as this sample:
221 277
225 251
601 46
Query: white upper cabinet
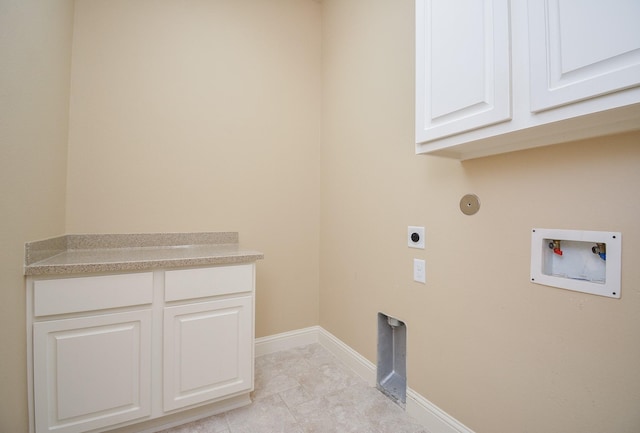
580 49
462 61
495 76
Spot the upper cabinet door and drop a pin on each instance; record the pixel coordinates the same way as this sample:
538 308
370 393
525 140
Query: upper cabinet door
580 49
463 77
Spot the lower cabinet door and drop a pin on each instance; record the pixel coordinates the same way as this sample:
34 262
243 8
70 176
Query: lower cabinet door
92 372
208 351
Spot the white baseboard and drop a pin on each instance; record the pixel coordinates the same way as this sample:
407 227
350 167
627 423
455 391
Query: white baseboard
426 413
286 340
431 416
356 362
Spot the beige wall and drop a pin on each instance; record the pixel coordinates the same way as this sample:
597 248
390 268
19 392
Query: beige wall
35 57
203 116
495 351
195 115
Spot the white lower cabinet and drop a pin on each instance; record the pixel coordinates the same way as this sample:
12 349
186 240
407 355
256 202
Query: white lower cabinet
94 358
92 372
207 351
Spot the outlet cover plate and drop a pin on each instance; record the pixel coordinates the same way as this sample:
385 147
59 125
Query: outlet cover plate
419 271
419 231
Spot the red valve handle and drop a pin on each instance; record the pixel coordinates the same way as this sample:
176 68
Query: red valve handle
558 251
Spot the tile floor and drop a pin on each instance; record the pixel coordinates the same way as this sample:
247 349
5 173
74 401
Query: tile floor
308 390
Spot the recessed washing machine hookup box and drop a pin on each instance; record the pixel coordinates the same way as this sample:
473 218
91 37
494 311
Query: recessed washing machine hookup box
579 260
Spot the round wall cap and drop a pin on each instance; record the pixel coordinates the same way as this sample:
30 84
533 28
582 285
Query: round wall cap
469 204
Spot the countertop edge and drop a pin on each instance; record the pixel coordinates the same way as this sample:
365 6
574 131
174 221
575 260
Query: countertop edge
50 256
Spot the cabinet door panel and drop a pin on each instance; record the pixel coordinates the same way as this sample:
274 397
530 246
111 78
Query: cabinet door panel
92 372
207 351
581 49
463 77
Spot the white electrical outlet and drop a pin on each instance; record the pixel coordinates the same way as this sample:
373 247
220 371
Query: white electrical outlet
419 271
415 237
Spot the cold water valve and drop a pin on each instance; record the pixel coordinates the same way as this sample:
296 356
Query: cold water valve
601 250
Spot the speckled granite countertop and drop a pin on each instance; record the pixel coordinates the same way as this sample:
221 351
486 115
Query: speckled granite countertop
76 254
